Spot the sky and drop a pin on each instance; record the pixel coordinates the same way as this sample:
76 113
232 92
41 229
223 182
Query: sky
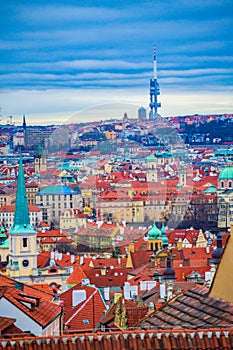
60 59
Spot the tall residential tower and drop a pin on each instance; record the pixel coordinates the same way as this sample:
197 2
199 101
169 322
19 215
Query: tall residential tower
154 91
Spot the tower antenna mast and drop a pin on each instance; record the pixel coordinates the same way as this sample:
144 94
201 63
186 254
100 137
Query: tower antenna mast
154 90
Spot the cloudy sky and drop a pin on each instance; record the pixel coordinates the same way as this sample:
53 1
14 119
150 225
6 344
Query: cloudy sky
60 58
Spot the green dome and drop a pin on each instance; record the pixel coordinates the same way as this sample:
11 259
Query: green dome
154 232
151 158
211 189
226 173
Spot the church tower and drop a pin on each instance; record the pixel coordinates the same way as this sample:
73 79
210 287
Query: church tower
40 160
24 123
22 237
182 176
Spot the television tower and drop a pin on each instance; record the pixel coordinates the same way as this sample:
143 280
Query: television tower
154 91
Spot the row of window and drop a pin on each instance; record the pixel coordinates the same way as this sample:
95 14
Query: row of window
56 197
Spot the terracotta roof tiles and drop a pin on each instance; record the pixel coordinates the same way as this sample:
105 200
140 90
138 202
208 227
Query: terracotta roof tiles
206 339
87 313
32 303
193 309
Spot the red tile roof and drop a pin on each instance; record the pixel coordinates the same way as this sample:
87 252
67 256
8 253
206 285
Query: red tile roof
134 314
85 315
176 339
11 208
31 302
76 276
192 309
111 277
8 329
62 260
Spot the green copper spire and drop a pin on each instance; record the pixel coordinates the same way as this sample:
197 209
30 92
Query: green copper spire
164 237
21 219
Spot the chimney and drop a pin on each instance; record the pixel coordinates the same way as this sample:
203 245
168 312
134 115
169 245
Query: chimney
81 260
107 293
169 290
162 291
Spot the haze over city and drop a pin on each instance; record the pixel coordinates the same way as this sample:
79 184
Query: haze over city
64 57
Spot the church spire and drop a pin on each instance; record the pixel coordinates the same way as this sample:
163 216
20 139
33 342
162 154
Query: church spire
24 123
21 218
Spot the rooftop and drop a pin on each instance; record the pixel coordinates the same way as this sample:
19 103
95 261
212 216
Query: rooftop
140 340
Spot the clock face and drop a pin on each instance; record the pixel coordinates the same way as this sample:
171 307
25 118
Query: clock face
25 263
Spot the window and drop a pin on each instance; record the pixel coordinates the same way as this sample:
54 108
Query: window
25 242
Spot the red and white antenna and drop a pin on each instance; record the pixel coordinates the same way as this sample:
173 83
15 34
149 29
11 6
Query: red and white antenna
155 64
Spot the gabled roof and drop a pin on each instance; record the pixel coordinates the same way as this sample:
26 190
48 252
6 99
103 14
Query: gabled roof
85 315
76 276
32 302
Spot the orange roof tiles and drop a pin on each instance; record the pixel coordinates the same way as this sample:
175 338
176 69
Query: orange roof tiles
11 208
109 278
87 313
76 276
192 309
202 339
31 302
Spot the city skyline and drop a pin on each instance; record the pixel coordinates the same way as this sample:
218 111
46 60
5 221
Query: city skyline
59 59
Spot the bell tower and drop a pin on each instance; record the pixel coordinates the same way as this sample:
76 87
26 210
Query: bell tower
40 160
22 237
